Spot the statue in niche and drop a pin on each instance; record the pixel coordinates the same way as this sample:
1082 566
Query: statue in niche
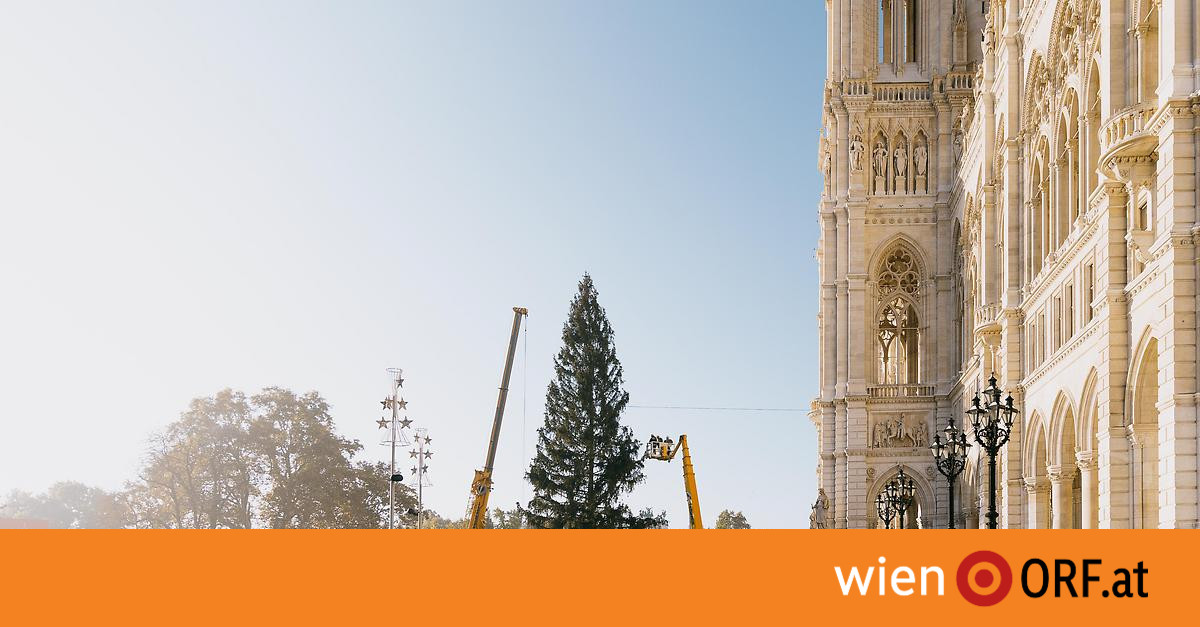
880 158
956 142
820 511
901 157
827 169
920 155
856 153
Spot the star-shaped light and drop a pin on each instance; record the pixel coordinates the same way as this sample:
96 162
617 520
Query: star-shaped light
412 453
404 423
424 468
428 453
399 381
387 403
403 404
414 470
382 422
428 439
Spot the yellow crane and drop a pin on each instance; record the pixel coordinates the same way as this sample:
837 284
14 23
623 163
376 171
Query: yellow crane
665 450
481 486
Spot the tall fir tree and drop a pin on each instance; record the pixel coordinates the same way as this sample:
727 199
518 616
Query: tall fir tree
586 459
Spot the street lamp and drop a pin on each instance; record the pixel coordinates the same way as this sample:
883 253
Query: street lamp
992 423
884 506
895 499
951 457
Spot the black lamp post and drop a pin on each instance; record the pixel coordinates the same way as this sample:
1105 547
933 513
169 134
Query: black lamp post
883 505
951 457
905 491
992 423
896 497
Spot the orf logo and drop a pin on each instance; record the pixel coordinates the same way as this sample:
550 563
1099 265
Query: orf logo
984 578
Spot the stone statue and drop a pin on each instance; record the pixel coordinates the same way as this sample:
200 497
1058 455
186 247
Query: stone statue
920 155
880 159
856 153
820 511
901 157
827 169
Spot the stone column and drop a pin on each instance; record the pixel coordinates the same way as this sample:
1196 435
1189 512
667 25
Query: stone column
1086 461
1058 507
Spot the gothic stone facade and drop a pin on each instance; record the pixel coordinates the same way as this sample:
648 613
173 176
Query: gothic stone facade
1010 187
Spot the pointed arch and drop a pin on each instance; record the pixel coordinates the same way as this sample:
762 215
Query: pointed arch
923 505
1033 447
1061 432
1086 427
1143 431
886 247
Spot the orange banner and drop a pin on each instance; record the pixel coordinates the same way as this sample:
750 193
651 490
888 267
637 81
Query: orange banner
593 577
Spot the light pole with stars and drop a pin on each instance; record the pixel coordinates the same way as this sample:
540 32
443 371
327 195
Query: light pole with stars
421 454
395 435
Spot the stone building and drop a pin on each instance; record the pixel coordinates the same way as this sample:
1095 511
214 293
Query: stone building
1010 187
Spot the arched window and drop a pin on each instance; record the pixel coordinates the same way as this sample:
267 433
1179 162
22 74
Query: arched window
897 335
897 328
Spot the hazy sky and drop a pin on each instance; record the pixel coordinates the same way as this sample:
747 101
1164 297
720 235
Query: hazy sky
302 194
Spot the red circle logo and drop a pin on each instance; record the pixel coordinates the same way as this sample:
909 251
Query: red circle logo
984 578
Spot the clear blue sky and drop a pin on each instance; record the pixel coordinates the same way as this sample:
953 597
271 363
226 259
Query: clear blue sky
301 194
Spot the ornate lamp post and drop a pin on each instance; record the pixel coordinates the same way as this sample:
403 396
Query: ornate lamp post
883 505
992 423
951 457
895 499
905 489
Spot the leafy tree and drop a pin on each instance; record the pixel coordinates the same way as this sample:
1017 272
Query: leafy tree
586 459
70 505
366 498
308 465
202 471
508 519
729 519
647 519
273 459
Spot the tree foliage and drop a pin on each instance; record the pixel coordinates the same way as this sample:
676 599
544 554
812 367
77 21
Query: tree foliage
586 459
729 519
70 505
231 461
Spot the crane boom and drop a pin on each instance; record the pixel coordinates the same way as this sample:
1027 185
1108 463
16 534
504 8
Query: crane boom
481 486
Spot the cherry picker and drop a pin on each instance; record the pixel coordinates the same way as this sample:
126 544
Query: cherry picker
665 450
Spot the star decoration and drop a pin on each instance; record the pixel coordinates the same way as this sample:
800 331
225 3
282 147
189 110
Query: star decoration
382 422
412 453
414 470
403 404
424 468
387 403
404 423
399 381
428 439
428 453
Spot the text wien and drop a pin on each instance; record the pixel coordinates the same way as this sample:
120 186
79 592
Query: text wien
902 579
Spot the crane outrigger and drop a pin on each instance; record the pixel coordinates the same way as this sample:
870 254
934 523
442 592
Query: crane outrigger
481 486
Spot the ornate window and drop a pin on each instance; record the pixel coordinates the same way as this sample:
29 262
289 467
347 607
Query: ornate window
897 331
897 335
899 274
